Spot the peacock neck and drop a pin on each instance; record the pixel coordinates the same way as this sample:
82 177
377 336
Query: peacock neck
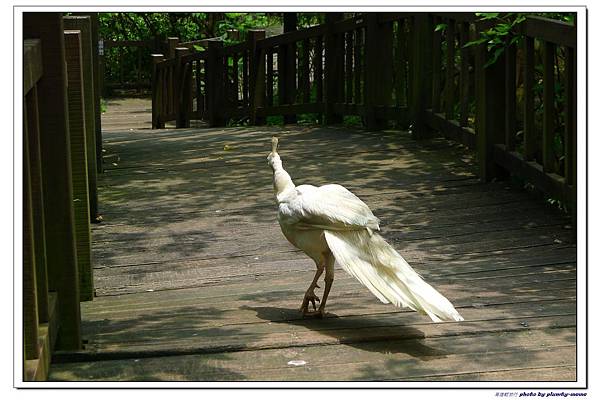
282 181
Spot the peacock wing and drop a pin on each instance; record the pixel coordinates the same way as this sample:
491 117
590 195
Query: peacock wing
332 207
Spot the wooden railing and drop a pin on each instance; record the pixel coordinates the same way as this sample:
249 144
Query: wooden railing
397 69
58 150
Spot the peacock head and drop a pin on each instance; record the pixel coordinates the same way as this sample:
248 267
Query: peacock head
273 158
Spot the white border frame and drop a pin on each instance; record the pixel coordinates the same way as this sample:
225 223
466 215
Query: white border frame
245 6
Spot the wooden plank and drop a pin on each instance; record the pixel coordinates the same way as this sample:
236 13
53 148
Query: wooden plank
571 132
98 78
449 86
214 83
349 57
358 66
351 24
436 77
533 172
510 92
290 82
489 100
405 359
182 89
393 16
318 69
291 109
235 84
128 43
58 190
332 67
305 68
32 129
548 130
30 304
83 24
157 91
256 75
452 129
270 77
79 144
550 30
530 140
421 67
464 74
38 369
402 56
458 16
246 77
373 70
32 63
292 37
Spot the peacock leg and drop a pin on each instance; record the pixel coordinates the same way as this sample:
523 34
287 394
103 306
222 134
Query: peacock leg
330 261
310 295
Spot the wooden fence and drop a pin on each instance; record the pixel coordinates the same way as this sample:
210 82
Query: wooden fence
58 154
396 69
136 52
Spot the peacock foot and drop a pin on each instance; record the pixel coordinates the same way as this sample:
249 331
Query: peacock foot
320 313
312 298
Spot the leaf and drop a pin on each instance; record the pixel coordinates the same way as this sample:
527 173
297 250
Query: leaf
440 27
475 42
486 16
494 58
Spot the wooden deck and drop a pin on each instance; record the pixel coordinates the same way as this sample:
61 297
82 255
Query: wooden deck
194 280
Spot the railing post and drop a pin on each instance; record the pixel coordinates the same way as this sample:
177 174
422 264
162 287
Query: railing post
421 73
61 255
214 82
378 73
290 24
156 92
172 43
183 89
257 76
33 132
490 109
332 64
30 302
83 24
79 162
97 81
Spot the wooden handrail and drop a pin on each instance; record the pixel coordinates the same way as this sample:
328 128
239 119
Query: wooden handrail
550 30
291 37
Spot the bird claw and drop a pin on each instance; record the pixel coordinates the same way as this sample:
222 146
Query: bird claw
315 314
309 297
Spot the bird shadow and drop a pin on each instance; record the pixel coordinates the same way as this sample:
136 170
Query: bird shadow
360 332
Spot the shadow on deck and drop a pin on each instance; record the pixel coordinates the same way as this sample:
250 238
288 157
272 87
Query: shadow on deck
194 280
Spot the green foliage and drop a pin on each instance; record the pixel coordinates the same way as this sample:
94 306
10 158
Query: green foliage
500 35
503 33
274 120
352 120
123 64
441 27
